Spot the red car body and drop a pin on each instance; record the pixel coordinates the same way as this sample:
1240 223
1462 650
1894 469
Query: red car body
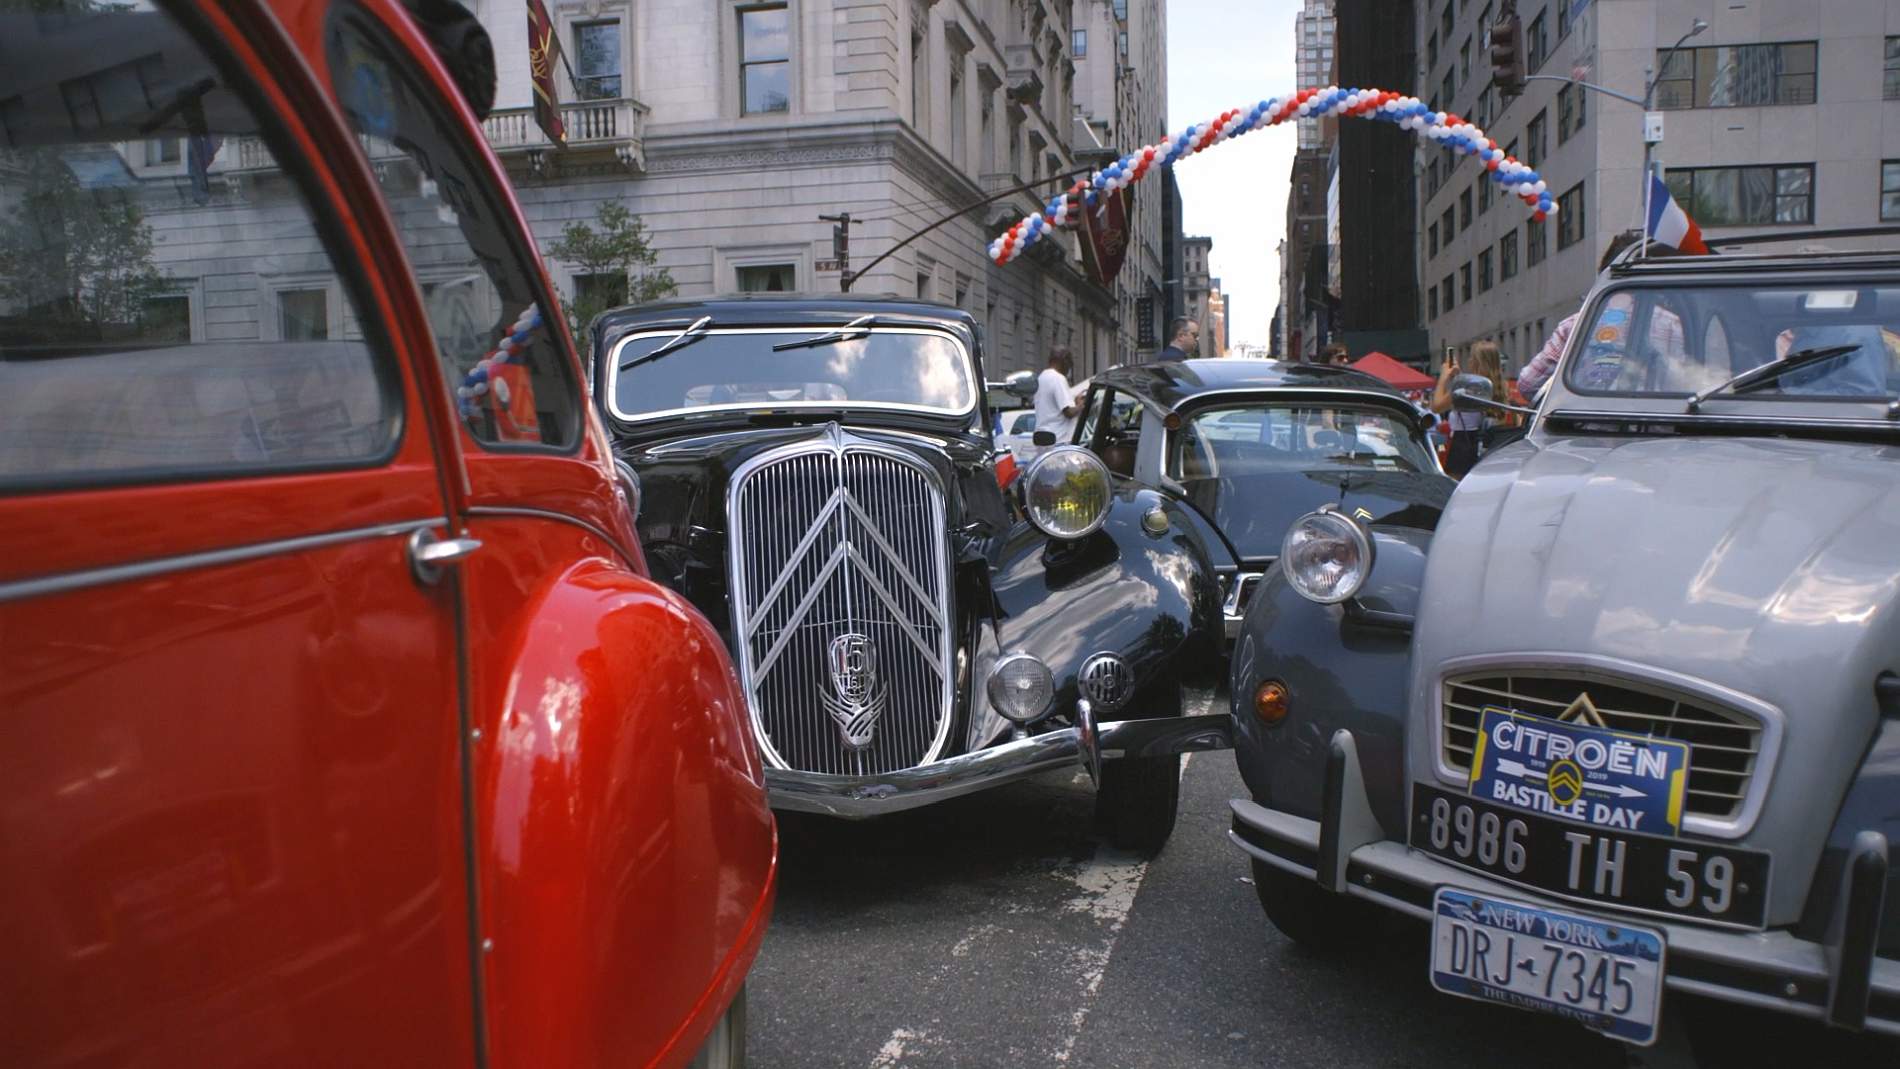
271 792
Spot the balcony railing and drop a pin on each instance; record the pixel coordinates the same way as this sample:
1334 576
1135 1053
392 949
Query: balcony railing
619 125
592 125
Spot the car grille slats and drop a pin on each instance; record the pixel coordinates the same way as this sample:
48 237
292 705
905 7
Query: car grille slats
1723 745
840 557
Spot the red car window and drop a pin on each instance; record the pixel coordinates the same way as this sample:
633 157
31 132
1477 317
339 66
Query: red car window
171 307
514 384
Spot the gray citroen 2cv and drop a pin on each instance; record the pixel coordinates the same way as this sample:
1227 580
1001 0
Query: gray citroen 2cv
1628 721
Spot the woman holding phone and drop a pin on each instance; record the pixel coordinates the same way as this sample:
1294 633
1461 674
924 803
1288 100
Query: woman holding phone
1485 378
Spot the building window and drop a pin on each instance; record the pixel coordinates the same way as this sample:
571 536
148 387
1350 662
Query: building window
765 55
1727 196
1464 209
1431 302
165 319
161 150
767 278
919 86
1484 192
1484 271
1431 50
1447 91
1890 89
986 150
303 315
1016 147
1735 76
1464 283
1484 107
1449 224
1079 43
1539 143
1444 21
1890 191
1563 18
1432 236
601 289
959 112
1464 62
597 60
1570 221
1571 111
1431 178
1507 256
1536 42
1447 294
1536 242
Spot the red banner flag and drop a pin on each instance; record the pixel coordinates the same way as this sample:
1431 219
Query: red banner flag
544 51
1105 237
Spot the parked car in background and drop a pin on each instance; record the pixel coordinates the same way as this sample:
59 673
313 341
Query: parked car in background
1633 722
819 477
1018 434
340 722
1247 446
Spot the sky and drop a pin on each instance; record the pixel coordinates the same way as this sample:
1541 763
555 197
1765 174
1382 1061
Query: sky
1225 55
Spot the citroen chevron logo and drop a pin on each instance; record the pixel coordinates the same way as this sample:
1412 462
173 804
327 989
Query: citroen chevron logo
857 697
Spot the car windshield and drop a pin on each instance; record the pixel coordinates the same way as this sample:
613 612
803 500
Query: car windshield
1259 439
893 368
1680 340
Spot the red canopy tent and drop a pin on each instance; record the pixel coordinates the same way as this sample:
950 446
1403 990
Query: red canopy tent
1399 376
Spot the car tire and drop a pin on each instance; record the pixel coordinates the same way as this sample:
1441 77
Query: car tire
725 1048
1137 801
1317 919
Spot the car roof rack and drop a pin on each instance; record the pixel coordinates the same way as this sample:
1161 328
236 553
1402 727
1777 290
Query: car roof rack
1633 259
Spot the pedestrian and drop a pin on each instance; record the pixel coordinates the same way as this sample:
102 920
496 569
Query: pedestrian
1183 341
1468 427
1335 355
1055 401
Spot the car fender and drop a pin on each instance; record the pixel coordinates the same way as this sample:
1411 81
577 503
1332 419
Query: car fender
1152 598
1343 669
626 857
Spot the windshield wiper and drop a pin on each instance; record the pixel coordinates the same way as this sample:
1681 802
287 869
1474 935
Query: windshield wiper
857 328
685 337
1772 370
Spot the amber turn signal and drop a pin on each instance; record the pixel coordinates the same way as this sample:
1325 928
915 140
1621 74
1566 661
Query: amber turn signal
1269 702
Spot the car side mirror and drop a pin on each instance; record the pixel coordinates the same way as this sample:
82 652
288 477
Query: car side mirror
1021 384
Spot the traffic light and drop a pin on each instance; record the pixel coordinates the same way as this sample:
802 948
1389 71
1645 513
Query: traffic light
1507 55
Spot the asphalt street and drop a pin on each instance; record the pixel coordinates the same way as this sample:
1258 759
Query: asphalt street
1000 930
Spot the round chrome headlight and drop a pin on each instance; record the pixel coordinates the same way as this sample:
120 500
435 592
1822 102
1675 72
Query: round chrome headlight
1326 556
1066 492
1021 687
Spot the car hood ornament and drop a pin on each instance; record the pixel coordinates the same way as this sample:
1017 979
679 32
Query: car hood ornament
1583 711
857 696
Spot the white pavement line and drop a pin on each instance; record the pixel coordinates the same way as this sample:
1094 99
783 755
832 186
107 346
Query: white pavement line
1108 883
891 1054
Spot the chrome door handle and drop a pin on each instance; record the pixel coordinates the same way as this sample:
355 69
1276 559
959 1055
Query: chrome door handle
428 555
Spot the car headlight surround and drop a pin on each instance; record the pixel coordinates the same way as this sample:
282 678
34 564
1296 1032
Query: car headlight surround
1066 492
1021 688
1326 556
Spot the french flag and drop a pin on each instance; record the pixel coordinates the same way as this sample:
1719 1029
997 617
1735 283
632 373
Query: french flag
1669 224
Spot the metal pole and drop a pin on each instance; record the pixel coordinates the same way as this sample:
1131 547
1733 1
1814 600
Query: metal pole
850 277
1651 76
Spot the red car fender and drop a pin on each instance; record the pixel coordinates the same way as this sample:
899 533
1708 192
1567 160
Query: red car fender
626 855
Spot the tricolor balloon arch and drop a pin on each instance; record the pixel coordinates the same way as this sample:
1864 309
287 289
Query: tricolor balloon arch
1066 208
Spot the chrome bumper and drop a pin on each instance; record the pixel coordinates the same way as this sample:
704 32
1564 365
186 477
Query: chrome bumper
1087 744
1839 981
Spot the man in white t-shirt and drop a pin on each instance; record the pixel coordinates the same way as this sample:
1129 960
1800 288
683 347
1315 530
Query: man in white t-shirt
1055 403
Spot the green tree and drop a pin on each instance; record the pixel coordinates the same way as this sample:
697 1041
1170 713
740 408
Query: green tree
77 261
614 264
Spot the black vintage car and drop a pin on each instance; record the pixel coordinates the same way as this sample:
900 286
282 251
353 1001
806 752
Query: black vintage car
819 476
1252 445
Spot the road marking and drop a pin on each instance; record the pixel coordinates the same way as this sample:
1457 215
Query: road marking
891 1054
1108 883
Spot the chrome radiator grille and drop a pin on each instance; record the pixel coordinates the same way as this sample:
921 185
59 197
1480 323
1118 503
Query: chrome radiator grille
1723 746
840 594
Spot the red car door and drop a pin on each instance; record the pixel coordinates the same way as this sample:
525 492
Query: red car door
231 777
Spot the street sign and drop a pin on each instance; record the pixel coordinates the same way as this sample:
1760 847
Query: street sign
826 265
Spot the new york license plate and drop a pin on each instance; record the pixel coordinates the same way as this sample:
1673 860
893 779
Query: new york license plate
1605 975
